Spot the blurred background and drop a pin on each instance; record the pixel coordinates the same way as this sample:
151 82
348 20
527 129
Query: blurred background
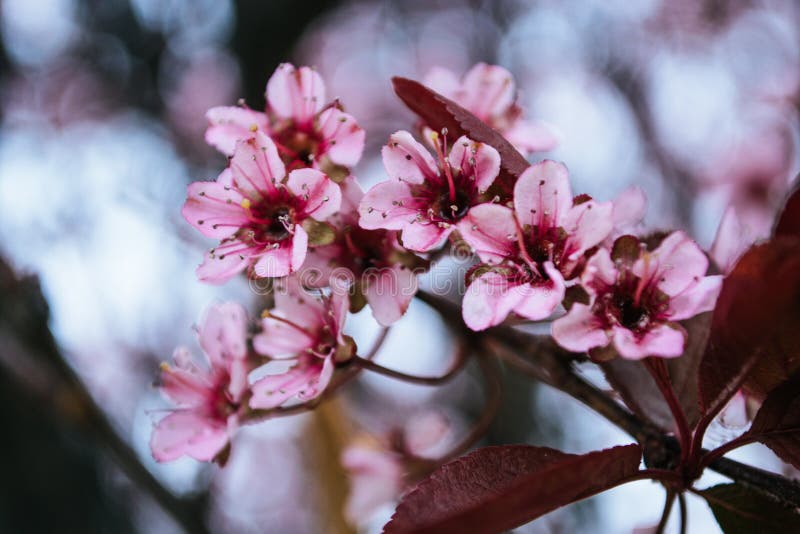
101 128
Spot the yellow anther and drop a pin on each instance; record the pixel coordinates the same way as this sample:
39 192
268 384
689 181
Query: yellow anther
254 127
165 367
246 203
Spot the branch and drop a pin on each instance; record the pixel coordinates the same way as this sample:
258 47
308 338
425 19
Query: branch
545 361
28 342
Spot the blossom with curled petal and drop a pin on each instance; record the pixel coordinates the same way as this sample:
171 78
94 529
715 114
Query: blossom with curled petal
372 263
531 252
306 330
307 130
258 212
424 200
210 398
636 298
488 92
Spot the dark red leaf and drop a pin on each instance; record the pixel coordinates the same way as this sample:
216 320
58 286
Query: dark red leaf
788 223
439 112
640 392
739 510
498 488
777 423
755 329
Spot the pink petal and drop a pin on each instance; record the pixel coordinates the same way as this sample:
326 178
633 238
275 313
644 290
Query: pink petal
488 301
477 159
306 380
351 195
488 91
676 263
256 166
630 207
187 432
407 160
317 384
213 209
579 330
295 93
223 333
660 341
222 267
229 124
542 195
321 195
423 236
491 232
344 137
186 387
281 340
589 223
376 478
699 297
388 205
286 258
539 301
599 272
389 292
443 81
531 136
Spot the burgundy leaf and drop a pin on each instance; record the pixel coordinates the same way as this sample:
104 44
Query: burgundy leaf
739 510
641 394
755 329
788 223
777 423
439 112
498 488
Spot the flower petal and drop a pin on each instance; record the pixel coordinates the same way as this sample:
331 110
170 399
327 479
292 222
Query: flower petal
475 159
491 232
443 81
214 209
542 195
487 91
220 267
295 93
630 207
588 224
321 195
388 205
407 160
230 124
676 263
488 301
389 292
284 259
699 297
599 273
660 341
579 330
256 166
539 301
187 432
343 136
531 136
223 332
423 236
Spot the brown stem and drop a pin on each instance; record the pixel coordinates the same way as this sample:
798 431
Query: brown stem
682 509
670 500
455 367
544 361
661 377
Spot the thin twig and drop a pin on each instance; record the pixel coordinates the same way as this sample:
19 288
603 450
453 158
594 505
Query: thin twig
455 367
670 500
682 509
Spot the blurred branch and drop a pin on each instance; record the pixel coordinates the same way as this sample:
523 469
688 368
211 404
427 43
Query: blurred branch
540 358
632 88
32 357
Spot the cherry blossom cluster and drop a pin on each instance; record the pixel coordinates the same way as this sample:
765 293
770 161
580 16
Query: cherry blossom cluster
288 204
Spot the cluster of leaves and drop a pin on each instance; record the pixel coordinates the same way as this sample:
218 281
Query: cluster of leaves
749 343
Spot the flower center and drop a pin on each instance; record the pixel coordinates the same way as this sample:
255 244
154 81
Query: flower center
452 210
296 146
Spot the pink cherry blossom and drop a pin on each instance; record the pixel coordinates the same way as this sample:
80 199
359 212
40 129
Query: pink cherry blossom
307 331
634 302
371 262
209 397
488 92
306 130
376 479
424 200
258 212
531 252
